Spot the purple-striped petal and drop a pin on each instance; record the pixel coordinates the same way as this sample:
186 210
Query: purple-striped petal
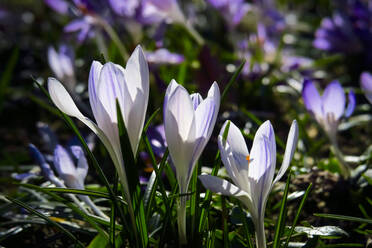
234 154
312 98
333 100
196 99
63 162
351 105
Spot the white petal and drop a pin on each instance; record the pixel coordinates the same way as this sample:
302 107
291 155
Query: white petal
196 99
111 86
263 153
223 187
170 90
289 150
62 99
262 166
95 71
214 92
135 119
137 73
234 154
179 128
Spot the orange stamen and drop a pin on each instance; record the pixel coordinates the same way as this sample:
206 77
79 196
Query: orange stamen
247 158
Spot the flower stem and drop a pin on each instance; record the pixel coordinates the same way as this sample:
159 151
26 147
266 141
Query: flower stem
194 33
181 217
344 167
93 206
114 37
260 235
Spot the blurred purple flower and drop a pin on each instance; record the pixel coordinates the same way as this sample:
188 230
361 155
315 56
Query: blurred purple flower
366 85
62 64
156 136
292 62
348 30
232 11
126 8
85 13
157 11
164 56
330 107
60 6
72 168
336 35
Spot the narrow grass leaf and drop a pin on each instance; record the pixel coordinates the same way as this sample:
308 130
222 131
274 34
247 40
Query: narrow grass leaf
232 80
282 215
131 169
46 218
298 215
343 217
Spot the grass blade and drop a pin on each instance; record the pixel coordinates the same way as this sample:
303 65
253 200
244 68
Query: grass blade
232 80
282 215
136 204
245 225
77 210
298 214
344 217
47 219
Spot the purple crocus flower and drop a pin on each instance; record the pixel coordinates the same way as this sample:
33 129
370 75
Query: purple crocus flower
47 172
233 11
62 64
164 56
188 124
252 173
70 176
330 107
366 85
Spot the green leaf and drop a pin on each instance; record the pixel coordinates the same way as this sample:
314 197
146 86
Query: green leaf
298 215
131 171
232 80
282 215
343 217
246 227
88 218
47 219
98 242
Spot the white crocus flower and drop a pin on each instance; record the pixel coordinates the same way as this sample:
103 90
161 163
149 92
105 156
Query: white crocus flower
252 173
188 122
107 83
